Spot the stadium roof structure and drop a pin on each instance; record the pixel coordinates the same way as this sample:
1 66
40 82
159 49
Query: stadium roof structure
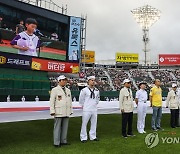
47 4
40 11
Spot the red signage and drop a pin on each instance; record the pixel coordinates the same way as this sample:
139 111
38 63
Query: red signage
54 66
169 59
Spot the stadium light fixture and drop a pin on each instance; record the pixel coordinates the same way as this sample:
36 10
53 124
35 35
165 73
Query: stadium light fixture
146 16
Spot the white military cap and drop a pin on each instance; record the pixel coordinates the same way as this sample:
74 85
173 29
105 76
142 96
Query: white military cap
91 77
126 81
174 85
61 77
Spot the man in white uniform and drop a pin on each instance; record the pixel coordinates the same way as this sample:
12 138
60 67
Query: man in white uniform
141 101
89 98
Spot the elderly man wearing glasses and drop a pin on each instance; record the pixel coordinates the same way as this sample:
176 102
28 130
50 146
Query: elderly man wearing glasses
173 103
126 107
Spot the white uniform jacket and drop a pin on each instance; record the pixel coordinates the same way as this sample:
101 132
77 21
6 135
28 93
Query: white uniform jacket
142 96
61 103
85 100
172 100
126 100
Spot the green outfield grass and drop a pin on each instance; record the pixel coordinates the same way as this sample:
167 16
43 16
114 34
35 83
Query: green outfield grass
36 137
52 56
9 50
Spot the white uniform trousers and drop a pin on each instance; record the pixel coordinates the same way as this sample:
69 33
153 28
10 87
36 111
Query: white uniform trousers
92 116
141 112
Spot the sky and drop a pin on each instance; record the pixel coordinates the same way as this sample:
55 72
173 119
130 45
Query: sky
111 27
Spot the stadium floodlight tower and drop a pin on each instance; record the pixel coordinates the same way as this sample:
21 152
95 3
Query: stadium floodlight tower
146 16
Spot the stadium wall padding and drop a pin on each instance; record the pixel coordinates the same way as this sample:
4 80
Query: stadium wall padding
30 94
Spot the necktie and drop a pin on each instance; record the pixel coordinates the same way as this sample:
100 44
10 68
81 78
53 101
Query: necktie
129 92
92 94
64 89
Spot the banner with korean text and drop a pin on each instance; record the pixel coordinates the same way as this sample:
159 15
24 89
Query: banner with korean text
88 56
9 60
74 39
127 57
54 66
169 59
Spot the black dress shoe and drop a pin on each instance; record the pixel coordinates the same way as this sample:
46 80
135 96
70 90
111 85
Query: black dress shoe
131 135
96 139
125 136
65 144
84 141
57 146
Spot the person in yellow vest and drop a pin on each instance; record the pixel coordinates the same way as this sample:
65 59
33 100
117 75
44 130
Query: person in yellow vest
156 104
173 103
61 109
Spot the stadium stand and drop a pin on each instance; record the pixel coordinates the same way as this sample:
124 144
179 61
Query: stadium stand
164 76
101 80
118 75
177 74
23 82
